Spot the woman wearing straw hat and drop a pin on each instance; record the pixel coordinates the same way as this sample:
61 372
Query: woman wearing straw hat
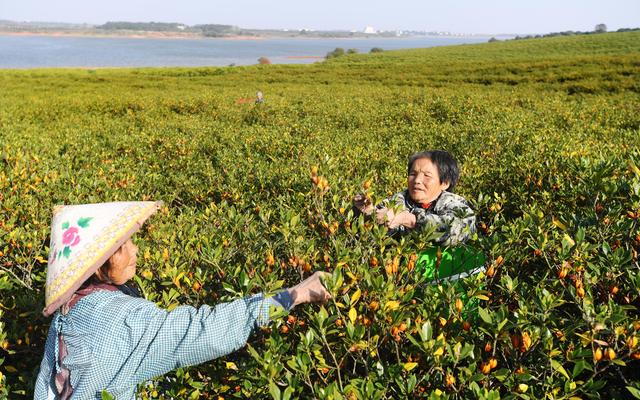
102 337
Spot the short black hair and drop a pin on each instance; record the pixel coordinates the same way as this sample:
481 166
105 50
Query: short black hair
444 161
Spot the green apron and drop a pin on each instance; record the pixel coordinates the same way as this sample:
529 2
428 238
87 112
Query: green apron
453 264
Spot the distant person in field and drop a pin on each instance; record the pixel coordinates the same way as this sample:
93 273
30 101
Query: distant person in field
428 201
104 336
259 97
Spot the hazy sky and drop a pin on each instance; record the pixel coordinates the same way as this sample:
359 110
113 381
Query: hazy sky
463 16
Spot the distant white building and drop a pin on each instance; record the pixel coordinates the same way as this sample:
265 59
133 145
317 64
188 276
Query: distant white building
181 27
369 29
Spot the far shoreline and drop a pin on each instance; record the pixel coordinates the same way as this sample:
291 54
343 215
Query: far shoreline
146 35
177 35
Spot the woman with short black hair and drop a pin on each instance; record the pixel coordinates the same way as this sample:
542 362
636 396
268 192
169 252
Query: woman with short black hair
428 200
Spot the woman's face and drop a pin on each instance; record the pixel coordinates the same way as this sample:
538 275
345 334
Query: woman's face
123 263
424 181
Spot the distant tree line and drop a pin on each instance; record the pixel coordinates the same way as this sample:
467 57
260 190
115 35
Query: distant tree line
143 26
209 30
600 28
217 30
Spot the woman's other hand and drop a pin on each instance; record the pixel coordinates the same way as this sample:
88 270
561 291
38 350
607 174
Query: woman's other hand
363 204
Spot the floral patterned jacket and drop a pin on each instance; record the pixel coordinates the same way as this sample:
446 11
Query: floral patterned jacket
449 213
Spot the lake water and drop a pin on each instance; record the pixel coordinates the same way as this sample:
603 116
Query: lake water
53 51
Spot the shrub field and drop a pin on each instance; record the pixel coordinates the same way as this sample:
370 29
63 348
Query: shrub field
547 132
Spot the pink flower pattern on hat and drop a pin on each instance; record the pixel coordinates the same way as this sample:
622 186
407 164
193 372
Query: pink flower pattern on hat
71 236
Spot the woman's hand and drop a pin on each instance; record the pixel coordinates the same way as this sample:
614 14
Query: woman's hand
311 290
384 216
363 203
404 218
392 220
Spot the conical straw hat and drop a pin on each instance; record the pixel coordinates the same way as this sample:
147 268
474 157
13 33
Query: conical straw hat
83 237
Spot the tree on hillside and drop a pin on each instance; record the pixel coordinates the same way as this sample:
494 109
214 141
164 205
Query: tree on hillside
600 28
339 51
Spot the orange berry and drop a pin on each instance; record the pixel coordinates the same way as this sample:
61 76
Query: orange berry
491 271
338 322
374 306
526 341
459 305
611 354
562 273
466 325
485 368
270 260
291 320
196 286
366 185
284 329
450 380
487 347
597 354
493 363
402 327
515 341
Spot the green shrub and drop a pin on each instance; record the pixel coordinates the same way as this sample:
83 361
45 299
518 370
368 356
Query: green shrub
554 179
